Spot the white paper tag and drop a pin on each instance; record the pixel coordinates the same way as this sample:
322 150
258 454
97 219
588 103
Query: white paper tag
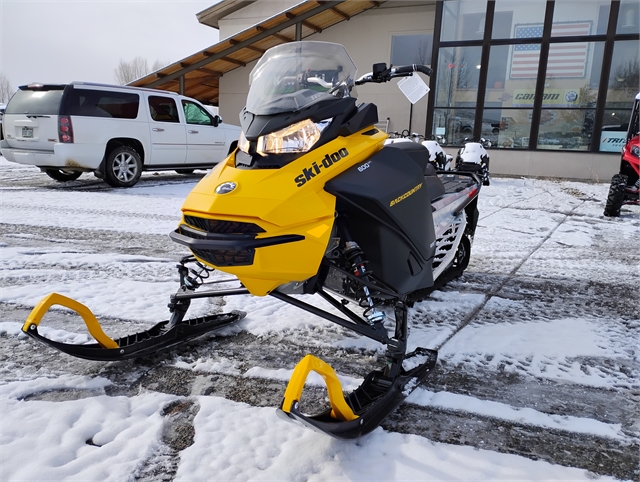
413 88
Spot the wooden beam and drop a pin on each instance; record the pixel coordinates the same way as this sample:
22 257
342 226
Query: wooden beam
199 80
234 61
342 14
210 71
276 35
306 23
250 47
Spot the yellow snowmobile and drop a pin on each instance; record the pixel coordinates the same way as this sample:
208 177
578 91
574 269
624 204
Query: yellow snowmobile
312 202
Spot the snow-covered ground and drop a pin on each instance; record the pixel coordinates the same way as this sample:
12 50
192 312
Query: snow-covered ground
537 242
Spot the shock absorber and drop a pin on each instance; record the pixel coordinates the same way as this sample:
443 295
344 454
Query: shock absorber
354 255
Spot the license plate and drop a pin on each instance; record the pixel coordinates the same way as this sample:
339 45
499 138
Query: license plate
27 132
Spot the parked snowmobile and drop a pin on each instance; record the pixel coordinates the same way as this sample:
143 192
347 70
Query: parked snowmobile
437 156
474 157
625 185
312 202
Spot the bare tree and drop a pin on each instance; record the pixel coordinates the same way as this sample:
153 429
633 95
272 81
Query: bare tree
129 71
158 64
626 77
6 91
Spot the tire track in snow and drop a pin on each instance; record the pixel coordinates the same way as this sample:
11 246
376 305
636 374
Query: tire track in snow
493 292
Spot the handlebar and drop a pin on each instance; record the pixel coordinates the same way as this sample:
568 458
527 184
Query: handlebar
382 74
408 69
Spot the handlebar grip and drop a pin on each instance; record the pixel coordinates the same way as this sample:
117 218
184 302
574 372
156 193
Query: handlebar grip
407 69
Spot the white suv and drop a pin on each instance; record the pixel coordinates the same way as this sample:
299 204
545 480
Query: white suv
114 131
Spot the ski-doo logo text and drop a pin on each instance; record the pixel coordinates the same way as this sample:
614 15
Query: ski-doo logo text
329 160
405 195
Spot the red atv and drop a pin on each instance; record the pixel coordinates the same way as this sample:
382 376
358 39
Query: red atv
625 185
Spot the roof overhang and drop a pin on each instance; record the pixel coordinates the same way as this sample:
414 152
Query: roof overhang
198 75
212 15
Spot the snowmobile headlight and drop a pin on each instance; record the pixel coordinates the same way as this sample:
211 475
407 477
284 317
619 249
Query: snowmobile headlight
243 143
298 137
635 150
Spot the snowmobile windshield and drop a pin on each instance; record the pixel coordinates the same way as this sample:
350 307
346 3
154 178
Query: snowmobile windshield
295 75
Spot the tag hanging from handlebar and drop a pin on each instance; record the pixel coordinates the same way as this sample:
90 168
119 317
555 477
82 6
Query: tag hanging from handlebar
413 88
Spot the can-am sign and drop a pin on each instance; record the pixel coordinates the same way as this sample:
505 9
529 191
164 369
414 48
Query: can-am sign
555 97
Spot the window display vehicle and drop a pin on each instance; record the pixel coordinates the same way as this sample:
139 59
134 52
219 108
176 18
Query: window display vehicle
625 185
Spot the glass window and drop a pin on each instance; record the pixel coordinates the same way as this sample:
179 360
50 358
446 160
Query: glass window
511 13
524 60
41 101
453 125
163 109
628 17
573 74
194 114
566 129
463 20
614 130
507 128
576 17
624 77
458 74
99 103
572 61
498 63
411 49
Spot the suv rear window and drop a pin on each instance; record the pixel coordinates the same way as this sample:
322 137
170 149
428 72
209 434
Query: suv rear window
42 102
100 103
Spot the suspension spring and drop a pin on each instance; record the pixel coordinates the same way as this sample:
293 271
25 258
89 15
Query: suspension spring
354 255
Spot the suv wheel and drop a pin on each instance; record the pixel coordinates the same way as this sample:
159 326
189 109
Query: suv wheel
123 167
63 176
615 199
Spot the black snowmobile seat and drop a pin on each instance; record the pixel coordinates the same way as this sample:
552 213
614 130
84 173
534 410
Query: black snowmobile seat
420 154
417 152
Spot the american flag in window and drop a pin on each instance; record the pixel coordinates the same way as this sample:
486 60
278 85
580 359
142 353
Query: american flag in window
565 59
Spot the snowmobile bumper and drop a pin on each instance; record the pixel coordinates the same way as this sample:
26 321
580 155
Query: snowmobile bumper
220 243
365 408
160 336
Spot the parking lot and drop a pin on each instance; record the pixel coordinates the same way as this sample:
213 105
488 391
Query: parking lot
539 340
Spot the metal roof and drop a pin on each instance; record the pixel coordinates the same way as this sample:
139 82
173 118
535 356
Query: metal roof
198 75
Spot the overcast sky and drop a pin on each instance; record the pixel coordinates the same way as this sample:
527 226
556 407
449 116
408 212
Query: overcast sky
56 41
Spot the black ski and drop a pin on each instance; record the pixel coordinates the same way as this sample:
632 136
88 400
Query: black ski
146 342
372 401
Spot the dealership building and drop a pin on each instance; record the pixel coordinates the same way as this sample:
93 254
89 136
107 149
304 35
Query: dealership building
549 83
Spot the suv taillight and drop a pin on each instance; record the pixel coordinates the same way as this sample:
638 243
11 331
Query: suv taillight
65 130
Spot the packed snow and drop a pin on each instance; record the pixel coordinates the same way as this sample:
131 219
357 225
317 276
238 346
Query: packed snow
100 437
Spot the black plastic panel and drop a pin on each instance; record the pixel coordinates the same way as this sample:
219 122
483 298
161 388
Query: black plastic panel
386 205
